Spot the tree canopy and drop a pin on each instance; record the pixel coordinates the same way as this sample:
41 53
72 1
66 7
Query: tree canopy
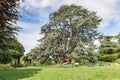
9 15
69 34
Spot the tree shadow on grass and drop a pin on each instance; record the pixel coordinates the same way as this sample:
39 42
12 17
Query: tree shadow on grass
18 73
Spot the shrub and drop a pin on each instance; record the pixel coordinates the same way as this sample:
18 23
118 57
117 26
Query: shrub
73 63
109 57
118 61
19 65
5 66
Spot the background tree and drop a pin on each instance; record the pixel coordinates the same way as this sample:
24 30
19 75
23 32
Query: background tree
109 49
108 46
31 57
12 50
8 15
70 28
5 45
118 37
16 50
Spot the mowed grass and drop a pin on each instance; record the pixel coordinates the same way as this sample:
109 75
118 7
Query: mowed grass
54 73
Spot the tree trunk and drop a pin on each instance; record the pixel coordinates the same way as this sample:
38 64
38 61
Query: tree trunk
30 61
15 62
18 60
71 30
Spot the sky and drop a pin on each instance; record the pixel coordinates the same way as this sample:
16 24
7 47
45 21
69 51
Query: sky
35 13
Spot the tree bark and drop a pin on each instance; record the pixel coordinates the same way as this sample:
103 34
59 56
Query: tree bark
71 30
18 60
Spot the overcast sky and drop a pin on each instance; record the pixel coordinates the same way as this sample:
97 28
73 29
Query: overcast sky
35 13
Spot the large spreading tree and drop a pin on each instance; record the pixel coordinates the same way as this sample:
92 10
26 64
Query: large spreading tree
69 34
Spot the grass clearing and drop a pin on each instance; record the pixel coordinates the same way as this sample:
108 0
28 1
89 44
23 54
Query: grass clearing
54 73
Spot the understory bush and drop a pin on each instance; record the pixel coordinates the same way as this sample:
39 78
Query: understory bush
5 66
118 61
19 65
109 57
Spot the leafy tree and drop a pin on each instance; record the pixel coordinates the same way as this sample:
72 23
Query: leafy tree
12 49
36 57
16 50
31 57
71 29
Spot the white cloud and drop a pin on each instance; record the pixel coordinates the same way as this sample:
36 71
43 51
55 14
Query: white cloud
30 35
106 9
28 26
101 6
29 41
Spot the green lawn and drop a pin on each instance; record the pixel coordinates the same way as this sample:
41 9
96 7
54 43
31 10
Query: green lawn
54 73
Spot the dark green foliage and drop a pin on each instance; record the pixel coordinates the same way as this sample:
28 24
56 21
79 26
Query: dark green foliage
8 15
108 46
118 37
108 49
5 58
17 50
12 49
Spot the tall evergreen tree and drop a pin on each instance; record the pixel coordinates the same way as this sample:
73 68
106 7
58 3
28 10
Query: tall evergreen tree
118 37
9 14
72 29
108 46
